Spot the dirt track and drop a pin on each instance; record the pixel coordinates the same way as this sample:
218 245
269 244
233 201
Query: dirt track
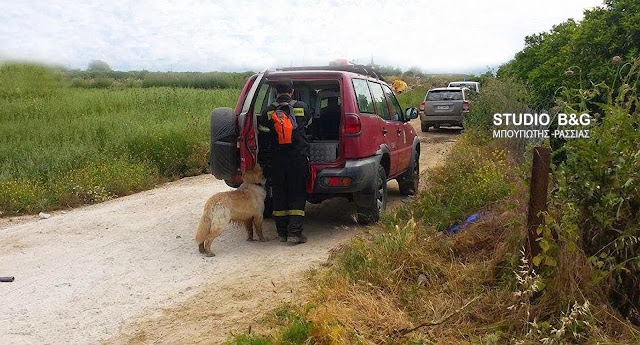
127 270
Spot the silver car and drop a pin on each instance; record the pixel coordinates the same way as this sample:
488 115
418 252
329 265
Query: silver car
444 106
471 85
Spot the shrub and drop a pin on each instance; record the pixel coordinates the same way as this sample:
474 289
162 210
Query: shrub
497 96
478 178
584 48
101 83
598 192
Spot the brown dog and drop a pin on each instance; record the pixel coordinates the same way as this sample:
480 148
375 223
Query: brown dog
243 205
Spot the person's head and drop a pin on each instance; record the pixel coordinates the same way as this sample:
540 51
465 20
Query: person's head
284 87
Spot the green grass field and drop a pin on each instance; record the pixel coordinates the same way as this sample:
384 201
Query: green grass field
63 146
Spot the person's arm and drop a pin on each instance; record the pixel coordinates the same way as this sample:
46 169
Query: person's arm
303 114
264 124
265 141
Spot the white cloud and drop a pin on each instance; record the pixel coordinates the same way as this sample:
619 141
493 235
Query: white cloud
200 35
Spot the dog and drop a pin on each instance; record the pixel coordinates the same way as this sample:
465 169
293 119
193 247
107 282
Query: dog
244 205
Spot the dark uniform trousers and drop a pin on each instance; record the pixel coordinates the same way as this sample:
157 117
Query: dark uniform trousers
289 173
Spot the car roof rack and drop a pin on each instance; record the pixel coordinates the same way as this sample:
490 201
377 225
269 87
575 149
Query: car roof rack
362 69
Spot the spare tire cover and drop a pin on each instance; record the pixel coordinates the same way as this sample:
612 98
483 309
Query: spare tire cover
223 125
224 162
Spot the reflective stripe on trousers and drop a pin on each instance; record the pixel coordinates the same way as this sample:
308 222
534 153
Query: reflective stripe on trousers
288 213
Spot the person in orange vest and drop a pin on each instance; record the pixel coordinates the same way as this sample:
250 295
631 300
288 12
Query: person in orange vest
282 128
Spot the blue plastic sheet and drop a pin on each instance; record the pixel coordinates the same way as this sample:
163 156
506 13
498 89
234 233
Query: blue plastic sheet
453 229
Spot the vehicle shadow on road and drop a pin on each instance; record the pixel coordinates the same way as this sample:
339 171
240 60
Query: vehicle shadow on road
440 135
447 130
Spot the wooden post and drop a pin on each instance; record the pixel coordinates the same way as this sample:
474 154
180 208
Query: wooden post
537 197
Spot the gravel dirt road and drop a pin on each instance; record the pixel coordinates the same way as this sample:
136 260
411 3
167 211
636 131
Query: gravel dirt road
128 271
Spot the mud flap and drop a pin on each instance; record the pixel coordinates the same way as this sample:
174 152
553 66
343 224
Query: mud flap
311 180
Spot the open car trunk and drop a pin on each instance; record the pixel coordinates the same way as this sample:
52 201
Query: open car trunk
324 131
324 102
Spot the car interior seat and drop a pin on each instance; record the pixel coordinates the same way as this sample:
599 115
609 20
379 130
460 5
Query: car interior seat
330 118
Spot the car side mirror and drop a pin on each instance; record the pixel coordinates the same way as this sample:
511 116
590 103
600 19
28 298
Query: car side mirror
411 113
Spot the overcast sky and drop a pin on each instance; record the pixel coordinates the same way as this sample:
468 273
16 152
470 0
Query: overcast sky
201 35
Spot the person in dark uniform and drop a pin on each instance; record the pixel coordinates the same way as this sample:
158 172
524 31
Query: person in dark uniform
286 157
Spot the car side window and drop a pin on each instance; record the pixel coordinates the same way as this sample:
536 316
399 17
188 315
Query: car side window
363 96
378 98
252 90
261 99
397 114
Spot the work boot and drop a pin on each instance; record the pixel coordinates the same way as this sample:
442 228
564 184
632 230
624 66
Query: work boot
282 238
298 238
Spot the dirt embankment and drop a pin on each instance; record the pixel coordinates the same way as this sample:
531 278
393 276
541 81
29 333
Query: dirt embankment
127 270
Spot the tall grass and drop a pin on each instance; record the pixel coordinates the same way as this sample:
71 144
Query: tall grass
413 97
64 146
420 85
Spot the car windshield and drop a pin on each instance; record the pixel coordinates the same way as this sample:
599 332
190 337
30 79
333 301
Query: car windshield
444 95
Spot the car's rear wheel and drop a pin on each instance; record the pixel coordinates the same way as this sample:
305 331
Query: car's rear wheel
371 203
424 127
409 180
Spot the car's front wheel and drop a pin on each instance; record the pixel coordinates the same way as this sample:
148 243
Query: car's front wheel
371 203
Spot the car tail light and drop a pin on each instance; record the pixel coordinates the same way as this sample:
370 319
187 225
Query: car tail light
422 105
352 124
465 106
335 181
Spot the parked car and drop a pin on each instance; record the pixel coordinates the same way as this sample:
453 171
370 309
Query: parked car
471 85
360 136
444 106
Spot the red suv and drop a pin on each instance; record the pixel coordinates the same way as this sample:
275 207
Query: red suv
359 137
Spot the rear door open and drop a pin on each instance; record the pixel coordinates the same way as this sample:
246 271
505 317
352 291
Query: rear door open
247 126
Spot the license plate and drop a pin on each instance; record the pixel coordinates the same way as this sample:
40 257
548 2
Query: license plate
442 107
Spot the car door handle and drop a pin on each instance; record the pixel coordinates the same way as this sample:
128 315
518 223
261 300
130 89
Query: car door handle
399 131
384 130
